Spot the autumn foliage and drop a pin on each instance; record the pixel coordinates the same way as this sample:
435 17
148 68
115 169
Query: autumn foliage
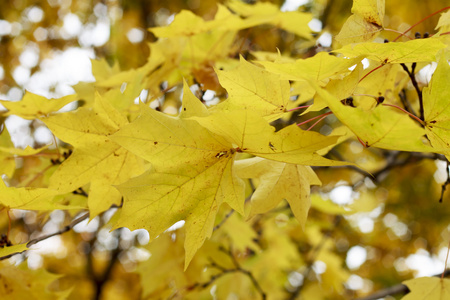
244 148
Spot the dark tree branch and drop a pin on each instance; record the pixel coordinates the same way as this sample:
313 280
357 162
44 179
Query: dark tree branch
416 86
447 182
406 103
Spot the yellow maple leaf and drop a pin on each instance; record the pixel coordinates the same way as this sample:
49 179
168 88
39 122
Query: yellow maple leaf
278 181
96 158
381 126
437 107
21 283
253 88
319 67
265 12
252 134
33 106
421 50
192 174
365 23
428 288
13 249
28 198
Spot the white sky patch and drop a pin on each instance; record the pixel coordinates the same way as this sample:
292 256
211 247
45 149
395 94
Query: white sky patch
21 75
135 35
366 63
95 34
176 226
2 73
424 264
29 58
315 25
35 14
355 282
356 256
61 71
342 195
293 5
5 27
72 26
325 39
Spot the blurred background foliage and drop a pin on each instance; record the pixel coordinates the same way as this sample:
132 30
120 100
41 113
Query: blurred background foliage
397 227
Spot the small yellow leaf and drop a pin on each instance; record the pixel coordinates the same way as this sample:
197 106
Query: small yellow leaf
33 106
365 24
428 288
420 50
13 249
437 107
250 87
278 181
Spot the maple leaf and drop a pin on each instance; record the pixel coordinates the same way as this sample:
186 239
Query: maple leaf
4 251
381 126
28 198
428 288
319 67
265 12
253 88
96 158
365 23
420 50
192 174
252 134
278 181
21 283
33 106
437 107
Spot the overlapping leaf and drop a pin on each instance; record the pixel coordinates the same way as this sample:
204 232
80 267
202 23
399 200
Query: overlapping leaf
278 181
428 288
253 88
252 134
33 106
437 107
365 23
96 159
193 175
421 50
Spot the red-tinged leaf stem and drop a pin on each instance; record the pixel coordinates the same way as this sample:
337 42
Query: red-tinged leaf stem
317 122
427 17
406 112
298 107
399 32
362 143
316 117
371 72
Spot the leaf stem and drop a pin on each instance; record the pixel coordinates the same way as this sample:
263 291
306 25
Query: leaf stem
399 32
312 126
373 70
427 17
406 112
298 107
316 117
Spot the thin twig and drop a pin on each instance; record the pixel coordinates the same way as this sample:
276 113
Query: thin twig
447 182
416 87
44 237
427 17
